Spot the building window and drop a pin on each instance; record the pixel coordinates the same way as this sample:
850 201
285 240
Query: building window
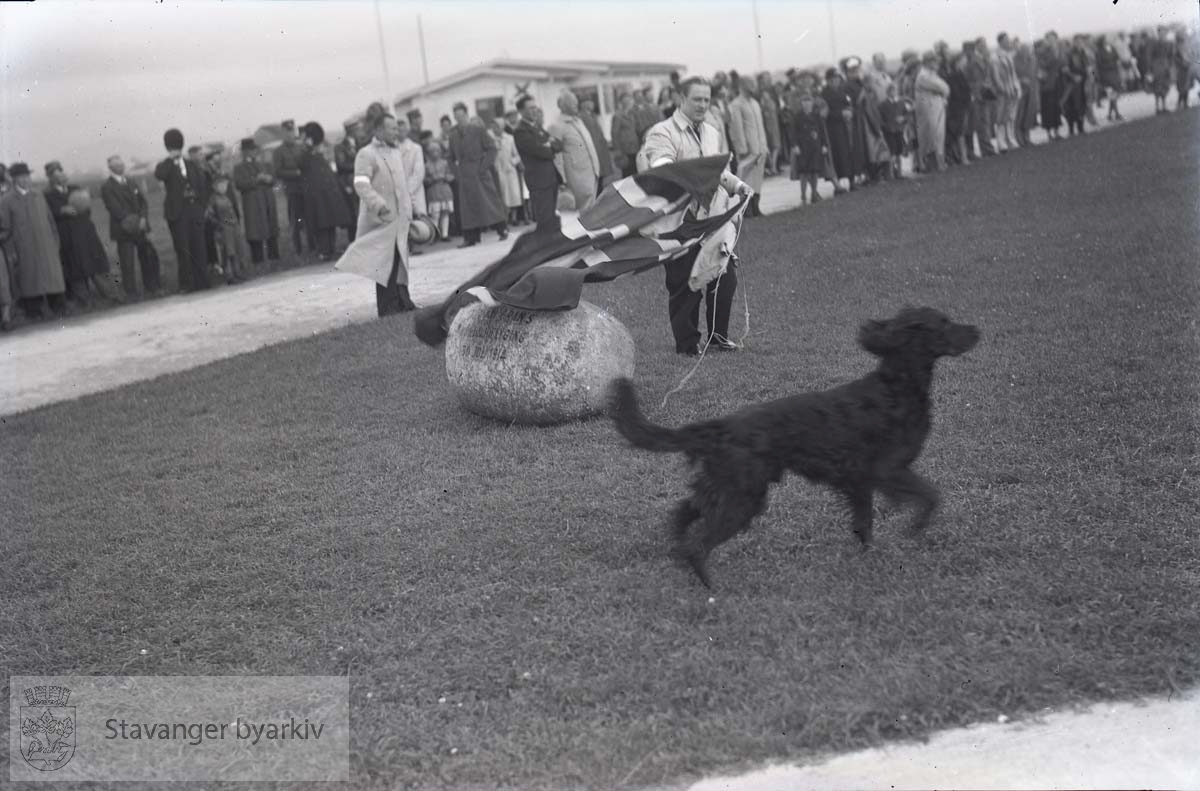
490 108
612 96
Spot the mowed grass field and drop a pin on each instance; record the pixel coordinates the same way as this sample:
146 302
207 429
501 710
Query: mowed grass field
501 596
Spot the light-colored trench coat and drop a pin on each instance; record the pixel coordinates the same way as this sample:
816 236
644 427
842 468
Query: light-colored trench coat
380 180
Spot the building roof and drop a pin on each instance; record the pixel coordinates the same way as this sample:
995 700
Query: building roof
538 69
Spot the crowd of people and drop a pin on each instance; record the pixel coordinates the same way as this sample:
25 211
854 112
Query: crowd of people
852 125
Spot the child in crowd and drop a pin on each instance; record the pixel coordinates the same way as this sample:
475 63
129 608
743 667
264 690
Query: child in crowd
894 113
438 195
223 212
810 144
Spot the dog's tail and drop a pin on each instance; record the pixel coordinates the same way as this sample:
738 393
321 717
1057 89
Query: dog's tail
632 424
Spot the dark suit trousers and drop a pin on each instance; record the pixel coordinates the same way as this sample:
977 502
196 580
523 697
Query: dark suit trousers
298 220
187 233
147 257
393 298
544 202
683 304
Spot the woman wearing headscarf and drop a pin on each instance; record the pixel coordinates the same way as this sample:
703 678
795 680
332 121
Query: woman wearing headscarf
932 92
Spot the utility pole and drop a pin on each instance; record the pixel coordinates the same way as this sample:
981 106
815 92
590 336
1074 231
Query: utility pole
387 79
421 39
757 34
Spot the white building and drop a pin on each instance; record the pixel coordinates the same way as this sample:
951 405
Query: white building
492 88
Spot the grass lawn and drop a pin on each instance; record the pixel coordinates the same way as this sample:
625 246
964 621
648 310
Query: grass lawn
322 507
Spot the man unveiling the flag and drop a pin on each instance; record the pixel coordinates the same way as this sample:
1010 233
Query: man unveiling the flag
686 135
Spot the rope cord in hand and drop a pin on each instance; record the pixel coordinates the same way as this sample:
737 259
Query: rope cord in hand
703 349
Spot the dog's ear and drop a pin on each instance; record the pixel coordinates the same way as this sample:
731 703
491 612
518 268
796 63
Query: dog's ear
877 337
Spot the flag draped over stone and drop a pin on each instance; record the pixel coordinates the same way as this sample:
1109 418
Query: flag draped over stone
636 224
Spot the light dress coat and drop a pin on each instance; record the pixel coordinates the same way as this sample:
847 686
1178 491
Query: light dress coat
380 180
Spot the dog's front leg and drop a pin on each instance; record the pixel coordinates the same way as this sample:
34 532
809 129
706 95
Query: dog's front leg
906 485
859 500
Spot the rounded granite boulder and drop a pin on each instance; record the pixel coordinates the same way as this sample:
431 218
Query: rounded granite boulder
536 367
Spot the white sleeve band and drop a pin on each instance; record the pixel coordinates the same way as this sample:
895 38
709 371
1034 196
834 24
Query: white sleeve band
361 180
661 161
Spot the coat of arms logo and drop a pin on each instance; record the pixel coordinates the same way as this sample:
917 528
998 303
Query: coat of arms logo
47 728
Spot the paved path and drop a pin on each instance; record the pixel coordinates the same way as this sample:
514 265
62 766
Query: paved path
1154 745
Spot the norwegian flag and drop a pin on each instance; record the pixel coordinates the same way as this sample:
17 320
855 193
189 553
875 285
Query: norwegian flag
637 223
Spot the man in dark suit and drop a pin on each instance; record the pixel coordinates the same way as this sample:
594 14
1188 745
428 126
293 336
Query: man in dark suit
286 163
186 187
537 150
129 227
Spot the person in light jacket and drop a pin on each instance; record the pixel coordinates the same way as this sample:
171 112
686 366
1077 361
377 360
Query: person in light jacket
578 162
748 138
385 209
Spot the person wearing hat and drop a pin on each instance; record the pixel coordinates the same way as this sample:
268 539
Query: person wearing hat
839 116
286 161
323 200
129 227
30 236
186 186
931 92
84 258
260 211
472 154
343 160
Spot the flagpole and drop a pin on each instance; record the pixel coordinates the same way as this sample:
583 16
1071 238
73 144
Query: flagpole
421 39
832 32
387 79
757 34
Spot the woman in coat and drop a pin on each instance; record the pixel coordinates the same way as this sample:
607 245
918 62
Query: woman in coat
326 208
1025 64
30 238
260 212
507 162
837 126
748 139
931 94
769 103
1050 80
83 255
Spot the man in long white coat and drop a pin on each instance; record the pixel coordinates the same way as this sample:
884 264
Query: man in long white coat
386 200
578 163
748 138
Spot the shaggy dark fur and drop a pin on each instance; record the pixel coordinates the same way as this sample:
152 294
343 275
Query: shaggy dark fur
857 438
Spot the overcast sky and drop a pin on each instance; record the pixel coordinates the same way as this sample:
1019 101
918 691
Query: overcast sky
81 80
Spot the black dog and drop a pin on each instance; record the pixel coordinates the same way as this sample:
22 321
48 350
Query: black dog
856 438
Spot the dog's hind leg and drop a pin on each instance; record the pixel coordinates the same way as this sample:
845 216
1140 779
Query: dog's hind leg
685 513
906 485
